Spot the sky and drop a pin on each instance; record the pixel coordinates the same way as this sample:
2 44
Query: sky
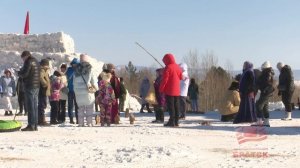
234 30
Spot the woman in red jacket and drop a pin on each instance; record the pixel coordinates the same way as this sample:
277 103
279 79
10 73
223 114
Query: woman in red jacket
170 86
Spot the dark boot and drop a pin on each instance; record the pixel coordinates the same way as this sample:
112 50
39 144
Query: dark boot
170 123
42 121
19 114
28 128
6 113
10 113
142 108
162 116
148 109
72 121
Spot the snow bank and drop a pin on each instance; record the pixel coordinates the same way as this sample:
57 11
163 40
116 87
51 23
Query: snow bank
49 42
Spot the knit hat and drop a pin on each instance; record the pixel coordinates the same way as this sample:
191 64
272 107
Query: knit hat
74 61
265 65
280 65
44 62
84 58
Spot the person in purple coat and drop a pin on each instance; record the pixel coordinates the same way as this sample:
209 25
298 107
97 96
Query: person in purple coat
247 111
159 108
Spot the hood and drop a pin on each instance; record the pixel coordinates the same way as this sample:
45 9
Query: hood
169 59
183 67
105 76
74 61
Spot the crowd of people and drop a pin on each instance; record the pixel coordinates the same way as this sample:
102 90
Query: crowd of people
78 87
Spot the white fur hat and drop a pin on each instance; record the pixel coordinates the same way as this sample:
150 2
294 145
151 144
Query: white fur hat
265 65
84 58
280 65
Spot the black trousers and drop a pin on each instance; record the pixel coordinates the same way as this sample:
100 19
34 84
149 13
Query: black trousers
173 107
286 99
54 111
262 106
62 110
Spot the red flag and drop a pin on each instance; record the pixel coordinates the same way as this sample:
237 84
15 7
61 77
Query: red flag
26 28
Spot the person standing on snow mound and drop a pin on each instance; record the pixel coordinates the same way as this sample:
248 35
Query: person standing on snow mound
286 88
247 111
8 85
30 73
170 86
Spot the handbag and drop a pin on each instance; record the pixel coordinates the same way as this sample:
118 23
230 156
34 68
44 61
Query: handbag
90 88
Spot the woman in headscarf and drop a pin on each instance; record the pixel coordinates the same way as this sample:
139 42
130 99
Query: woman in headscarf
247 112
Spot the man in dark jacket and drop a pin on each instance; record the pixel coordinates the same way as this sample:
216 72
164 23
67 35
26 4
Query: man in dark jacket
286 88
30 73
265 85
170 86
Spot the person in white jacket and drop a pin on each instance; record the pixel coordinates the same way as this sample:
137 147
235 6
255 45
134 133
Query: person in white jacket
184 86
84 78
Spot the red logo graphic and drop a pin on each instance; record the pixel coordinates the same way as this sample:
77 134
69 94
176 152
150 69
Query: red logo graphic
246 134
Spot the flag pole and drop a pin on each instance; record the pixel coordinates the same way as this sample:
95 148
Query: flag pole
149 53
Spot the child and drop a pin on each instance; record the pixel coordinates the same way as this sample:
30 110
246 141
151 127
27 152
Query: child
159 108
105 98
8 86
56 85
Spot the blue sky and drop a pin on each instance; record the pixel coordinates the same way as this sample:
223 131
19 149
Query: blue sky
235 30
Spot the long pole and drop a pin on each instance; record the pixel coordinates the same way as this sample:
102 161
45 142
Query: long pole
149 53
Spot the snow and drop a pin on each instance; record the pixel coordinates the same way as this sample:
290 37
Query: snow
145 144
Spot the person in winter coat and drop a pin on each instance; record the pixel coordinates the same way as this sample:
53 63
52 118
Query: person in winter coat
84 79
115 83
56 85
229 105
30 74
44 91
286 88
63 94
170 86
265 85
247 111
21 97
8 85
193 94
71 93
123 93
184 86
144 91
106 97
159 108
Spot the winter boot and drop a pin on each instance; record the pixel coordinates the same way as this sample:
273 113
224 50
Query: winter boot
72 121
42 121
266 122
288 116
6 113
29 128
127 113
148 108
19 114
142 108
10 113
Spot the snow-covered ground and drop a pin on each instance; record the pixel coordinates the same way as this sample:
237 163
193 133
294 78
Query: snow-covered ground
145 144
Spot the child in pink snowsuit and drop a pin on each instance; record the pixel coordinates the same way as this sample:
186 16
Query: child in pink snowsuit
106 98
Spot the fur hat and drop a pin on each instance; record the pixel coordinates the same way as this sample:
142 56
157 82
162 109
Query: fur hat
234 85
110 67
280 65
63 65
265 65
84 58
44 62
